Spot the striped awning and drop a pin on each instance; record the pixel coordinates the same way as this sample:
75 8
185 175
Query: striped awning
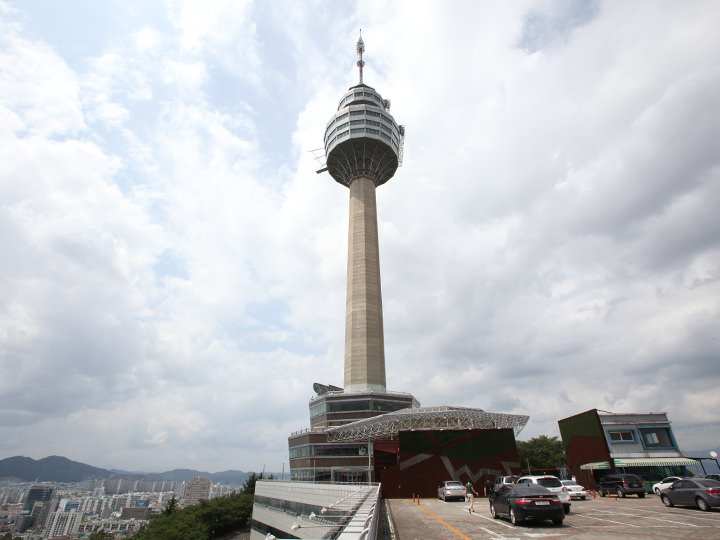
655 462
641 462
595 465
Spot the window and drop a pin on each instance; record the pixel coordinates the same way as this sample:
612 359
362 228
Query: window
357 113
656 437
356 122
622 436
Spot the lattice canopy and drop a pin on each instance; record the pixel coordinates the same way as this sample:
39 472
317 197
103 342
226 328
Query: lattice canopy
387 426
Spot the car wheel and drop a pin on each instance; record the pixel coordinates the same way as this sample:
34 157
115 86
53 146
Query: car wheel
702 504
513 517
493 512
620 493
666 500
641 495
557 522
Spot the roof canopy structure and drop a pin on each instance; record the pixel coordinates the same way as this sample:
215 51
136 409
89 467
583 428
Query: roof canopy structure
387 426
641 462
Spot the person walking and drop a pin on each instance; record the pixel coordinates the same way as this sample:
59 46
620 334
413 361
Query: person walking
489 489
469 491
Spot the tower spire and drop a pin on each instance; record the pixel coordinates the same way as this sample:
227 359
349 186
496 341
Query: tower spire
360 47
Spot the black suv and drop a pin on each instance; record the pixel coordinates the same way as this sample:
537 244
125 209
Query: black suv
622 484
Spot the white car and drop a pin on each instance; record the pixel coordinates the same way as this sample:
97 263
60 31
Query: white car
664 483
575 489
451 489
552 483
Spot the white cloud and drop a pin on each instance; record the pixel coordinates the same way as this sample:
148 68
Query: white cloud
172 262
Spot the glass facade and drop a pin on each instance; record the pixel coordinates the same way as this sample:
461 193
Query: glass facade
326 450
359 405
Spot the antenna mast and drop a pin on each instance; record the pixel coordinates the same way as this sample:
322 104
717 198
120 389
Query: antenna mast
360 50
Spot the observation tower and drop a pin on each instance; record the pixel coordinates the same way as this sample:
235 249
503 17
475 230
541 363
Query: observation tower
364 432
364 146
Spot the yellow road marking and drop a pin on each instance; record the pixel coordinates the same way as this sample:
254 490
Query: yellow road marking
453 529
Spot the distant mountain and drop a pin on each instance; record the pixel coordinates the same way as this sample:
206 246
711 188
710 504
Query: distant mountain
60 469
49 469
228 478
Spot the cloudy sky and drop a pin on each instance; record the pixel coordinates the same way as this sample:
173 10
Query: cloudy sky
172 269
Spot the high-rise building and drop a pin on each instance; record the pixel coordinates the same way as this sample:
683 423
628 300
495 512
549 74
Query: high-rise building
196 490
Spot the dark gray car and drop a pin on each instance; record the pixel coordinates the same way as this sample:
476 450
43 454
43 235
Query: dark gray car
622 485
526 501
701 492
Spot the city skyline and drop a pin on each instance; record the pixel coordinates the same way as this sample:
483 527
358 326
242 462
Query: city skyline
172 270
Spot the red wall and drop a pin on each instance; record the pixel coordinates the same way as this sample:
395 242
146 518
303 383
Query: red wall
427 458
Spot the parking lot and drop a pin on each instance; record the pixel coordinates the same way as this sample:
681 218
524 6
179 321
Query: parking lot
607 518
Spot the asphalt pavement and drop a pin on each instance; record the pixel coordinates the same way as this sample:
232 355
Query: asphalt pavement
601 518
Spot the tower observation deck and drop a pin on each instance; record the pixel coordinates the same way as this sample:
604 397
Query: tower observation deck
363 146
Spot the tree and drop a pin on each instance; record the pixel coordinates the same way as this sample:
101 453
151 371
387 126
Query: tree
249 485
223 515
541 452
171 506
101 535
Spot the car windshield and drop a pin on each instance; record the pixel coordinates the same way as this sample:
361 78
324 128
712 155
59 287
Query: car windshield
549 482
632 478
453 484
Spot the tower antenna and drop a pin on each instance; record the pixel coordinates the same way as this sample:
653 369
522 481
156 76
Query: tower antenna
360 50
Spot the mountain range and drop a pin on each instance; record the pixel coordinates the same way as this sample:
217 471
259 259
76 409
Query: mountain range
61 469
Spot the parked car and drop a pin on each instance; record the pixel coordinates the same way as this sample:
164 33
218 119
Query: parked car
500 480
519 502
664 483
451 489
576 490
712 476
622 484
552 483
701 492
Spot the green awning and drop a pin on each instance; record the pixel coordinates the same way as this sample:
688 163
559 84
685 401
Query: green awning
655 462
595 465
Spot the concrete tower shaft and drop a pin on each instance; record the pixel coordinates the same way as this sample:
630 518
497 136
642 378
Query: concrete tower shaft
364 341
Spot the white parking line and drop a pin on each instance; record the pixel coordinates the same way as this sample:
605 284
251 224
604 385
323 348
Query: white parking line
685 512
611 521
616 513
495 521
